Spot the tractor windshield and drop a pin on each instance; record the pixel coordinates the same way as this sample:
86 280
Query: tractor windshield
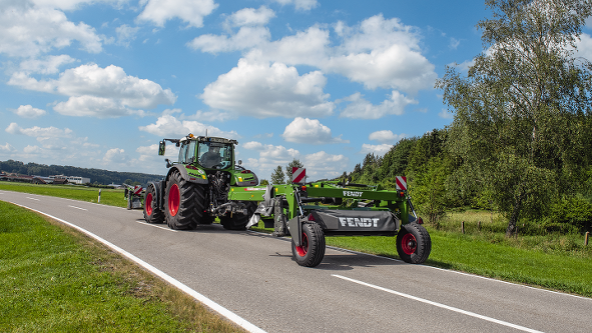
215 155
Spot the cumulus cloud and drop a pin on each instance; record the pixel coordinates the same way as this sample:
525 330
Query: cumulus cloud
115 155
28 111
386 136
126 34
45 65
378 150
99 92
39 132
250 16
190 11
299 4
169 126
361 108
32 149
309 131
254 145
324 165
261 90
446 114
7 148
27 31
246 37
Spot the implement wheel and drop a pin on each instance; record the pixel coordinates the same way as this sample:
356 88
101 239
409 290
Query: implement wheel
414 243
184 203
312 250
152 213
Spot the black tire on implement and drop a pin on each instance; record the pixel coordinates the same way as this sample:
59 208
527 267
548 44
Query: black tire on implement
312 250
152 213
414 243
184 203
239 221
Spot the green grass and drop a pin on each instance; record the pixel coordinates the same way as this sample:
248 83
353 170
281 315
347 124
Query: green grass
53 279
89 194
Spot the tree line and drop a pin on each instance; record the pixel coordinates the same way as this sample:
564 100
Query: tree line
521 139
97 176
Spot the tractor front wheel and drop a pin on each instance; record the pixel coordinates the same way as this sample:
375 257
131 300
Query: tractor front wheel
311 251
185 203
152 213
414 243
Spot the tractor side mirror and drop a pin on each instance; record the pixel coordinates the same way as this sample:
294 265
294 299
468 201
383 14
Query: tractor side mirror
240 162
161 148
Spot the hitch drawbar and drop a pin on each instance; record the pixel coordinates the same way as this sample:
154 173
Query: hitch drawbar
309 213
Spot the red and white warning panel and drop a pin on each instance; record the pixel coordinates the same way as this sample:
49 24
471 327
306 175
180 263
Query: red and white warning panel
298 175
401 183
138 189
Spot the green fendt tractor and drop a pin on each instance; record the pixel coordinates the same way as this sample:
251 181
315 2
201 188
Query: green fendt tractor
195 189
205 183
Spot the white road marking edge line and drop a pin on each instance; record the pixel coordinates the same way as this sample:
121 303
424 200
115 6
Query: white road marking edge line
201 298
443 306
156 226
77 207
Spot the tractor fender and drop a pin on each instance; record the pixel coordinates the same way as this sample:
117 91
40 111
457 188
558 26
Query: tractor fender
183 172
295 227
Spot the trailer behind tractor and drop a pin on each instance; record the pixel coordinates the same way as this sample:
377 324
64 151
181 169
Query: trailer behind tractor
206 184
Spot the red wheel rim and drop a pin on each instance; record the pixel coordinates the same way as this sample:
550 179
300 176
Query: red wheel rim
174 199
409 244
148 204
303 248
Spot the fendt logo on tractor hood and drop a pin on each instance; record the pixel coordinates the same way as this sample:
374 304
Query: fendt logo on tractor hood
352 194
363 222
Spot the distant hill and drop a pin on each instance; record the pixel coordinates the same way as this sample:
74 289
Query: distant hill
97 176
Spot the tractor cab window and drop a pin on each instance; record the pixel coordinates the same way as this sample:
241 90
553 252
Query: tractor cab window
187 152
215 155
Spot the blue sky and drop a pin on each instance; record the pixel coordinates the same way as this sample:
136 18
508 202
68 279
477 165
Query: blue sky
97 84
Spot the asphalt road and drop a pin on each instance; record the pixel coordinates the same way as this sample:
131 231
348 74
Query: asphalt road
253 276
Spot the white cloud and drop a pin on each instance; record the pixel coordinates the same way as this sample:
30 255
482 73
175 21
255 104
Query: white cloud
378 52
49 65
99 92
190 11
454 43
245 38
39 132
126 34
253 145
360 108
7 148
261 90
309 131
28 111
250 16
169 126
115 155
386 136
323 165
27 31
299 4
378 150
32 149
446 114
71 4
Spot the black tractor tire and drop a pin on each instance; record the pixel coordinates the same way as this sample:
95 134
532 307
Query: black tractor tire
414 243
312 250
152 213
239 221
185 203
280 220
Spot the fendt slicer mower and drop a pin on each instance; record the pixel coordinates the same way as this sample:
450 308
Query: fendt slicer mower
206 183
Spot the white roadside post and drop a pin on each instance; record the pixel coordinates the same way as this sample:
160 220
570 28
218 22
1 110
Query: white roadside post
99 201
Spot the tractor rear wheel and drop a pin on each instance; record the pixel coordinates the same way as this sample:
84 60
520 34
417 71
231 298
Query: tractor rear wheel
185 203
239 221
152 213
414 243
312 250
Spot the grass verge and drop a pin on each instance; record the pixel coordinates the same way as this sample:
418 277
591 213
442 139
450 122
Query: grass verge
54 279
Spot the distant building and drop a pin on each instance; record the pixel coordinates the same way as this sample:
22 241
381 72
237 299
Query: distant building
71 179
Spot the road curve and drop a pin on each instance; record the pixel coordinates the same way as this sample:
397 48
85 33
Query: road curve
252 276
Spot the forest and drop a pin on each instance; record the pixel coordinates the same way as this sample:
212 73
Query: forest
97 176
